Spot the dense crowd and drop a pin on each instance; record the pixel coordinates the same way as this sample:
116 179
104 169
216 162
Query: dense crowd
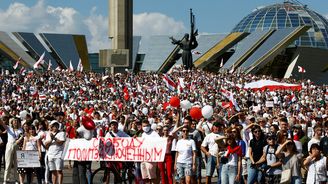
286 142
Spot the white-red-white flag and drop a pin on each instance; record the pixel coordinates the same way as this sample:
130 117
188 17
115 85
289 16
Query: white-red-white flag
80 66
70 66
301 69
22 70
39 62
17 63
170 84
221 64
196 52
49 65
229 95
42 97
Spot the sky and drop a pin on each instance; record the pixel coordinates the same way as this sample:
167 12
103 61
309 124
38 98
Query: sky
150 17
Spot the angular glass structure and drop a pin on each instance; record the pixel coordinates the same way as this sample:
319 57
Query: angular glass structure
285 15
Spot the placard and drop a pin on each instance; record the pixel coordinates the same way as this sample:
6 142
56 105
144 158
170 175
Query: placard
269 104
27 159
116 149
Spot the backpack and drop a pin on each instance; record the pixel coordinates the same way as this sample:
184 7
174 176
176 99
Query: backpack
275 149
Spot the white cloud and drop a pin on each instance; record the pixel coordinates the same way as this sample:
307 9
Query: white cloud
146 24
40 17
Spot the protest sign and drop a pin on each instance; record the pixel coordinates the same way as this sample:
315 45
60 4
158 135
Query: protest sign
116 149
27 159
269 104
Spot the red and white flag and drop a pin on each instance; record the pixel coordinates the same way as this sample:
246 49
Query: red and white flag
39 62
301 69
70 66
49 65
229 95
22 70
196 52
170 84
221 64
226 105
80 66
17 62
42 97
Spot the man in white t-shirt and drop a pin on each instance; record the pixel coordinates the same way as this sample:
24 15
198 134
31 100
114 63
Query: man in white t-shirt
55 144
148 169
213 149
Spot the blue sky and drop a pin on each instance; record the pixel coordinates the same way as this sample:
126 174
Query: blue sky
170 17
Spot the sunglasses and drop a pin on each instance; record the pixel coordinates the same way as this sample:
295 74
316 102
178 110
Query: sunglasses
184 130
256 131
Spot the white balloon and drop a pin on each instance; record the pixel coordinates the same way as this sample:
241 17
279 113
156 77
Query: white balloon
144 110
185 104
23 114
207 111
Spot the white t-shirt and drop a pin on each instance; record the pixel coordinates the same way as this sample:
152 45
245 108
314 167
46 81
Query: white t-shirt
151 133
185 147
42 136
31 144
13 135
55 150
317 171
209 141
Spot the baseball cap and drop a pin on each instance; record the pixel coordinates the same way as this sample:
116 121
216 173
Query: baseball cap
53 122
217 123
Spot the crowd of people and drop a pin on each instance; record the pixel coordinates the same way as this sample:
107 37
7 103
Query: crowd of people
284 143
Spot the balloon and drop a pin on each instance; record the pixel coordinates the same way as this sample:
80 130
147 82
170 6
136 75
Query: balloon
165 105
144 110
175 101
195 113
88 123
23 114
207 111
185 104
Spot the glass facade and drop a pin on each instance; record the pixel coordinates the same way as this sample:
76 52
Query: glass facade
288 14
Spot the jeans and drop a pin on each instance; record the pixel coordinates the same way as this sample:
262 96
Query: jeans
81 172
296 180
211 165
253 174
228 174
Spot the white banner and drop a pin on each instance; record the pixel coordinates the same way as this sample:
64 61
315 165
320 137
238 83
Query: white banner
27 159
269 104
116 149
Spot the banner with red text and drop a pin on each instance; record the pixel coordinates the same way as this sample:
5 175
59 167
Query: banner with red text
116 149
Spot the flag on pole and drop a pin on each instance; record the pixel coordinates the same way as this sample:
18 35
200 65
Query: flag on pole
80 66
49 65
232 69
70 66
221 64
170 84
39 62
17 62
58 68
229 96
22 70
196 52
301 69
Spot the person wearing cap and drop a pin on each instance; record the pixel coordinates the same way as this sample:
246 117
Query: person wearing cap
272 168
317 136
317 165
55 144
213 149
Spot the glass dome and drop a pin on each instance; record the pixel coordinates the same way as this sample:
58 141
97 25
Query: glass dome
288 14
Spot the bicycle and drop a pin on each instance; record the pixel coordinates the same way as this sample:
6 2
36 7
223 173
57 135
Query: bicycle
104 174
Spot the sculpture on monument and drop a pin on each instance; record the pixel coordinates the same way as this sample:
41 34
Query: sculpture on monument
186 44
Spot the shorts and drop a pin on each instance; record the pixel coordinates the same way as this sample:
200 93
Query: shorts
55 164
210 165
148 170
183 170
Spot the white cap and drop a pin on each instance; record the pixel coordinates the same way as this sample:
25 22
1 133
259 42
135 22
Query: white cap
53 122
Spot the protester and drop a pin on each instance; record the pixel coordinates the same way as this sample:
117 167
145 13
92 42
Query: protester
55 144
185 163
317 165
15 137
